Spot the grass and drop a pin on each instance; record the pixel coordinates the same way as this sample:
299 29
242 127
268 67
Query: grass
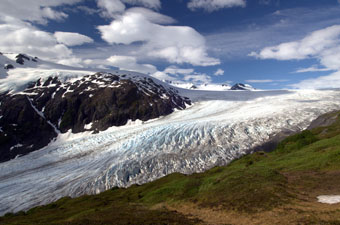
255 183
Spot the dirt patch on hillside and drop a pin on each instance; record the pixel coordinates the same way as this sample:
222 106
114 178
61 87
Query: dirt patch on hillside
303 209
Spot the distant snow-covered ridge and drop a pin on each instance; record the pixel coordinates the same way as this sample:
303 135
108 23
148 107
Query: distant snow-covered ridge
213 87
17 70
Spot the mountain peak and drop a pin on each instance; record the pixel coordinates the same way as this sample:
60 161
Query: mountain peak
242 87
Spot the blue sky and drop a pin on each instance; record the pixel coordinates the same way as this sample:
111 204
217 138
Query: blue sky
269 44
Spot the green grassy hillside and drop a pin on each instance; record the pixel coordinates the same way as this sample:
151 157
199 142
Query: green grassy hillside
263 188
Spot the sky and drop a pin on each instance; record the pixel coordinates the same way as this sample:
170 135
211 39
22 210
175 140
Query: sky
269 44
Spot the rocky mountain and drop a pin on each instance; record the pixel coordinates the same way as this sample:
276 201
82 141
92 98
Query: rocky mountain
32 118
212 87
204 87
12 61
242 87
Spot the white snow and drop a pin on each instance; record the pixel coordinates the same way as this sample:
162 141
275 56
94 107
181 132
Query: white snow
15 146
16 79
329 199
88 126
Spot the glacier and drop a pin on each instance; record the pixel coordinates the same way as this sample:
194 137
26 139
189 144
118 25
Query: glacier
218 128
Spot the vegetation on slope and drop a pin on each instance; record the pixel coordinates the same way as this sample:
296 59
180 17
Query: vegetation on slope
282 184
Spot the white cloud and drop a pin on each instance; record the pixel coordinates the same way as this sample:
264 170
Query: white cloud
26 38
311 69
219 72
130 63
323 45
181 75
72 39
319 44
286 26
322 82
176 44
161 75
264 81
22 37
87 10
198 78
152 4
175 70
152 16
113 8
213 5
34 10
259 81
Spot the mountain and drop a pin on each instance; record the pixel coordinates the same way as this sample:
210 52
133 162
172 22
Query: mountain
212 87
205 87
285 186
32 118
93 131
242 87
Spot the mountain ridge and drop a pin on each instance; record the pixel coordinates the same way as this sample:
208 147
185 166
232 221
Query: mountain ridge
92 103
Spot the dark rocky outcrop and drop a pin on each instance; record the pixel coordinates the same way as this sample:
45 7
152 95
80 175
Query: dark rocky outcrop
22 128
243 87
31 119
21 59
8 66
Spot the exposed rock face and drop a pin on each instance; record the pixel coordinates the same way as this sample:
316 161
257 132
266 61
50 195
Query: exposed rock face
22 128
21 59
8 66
243 87
30 120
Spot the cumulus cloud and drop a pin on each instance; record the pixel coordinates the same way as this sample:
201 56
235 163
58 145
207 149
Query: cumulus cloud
219 72
152 4
176 44
214 5
130 63
152 16
182 75
21 37
175 70
322 82
323 45
72 39
34 10
198 78
112 8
